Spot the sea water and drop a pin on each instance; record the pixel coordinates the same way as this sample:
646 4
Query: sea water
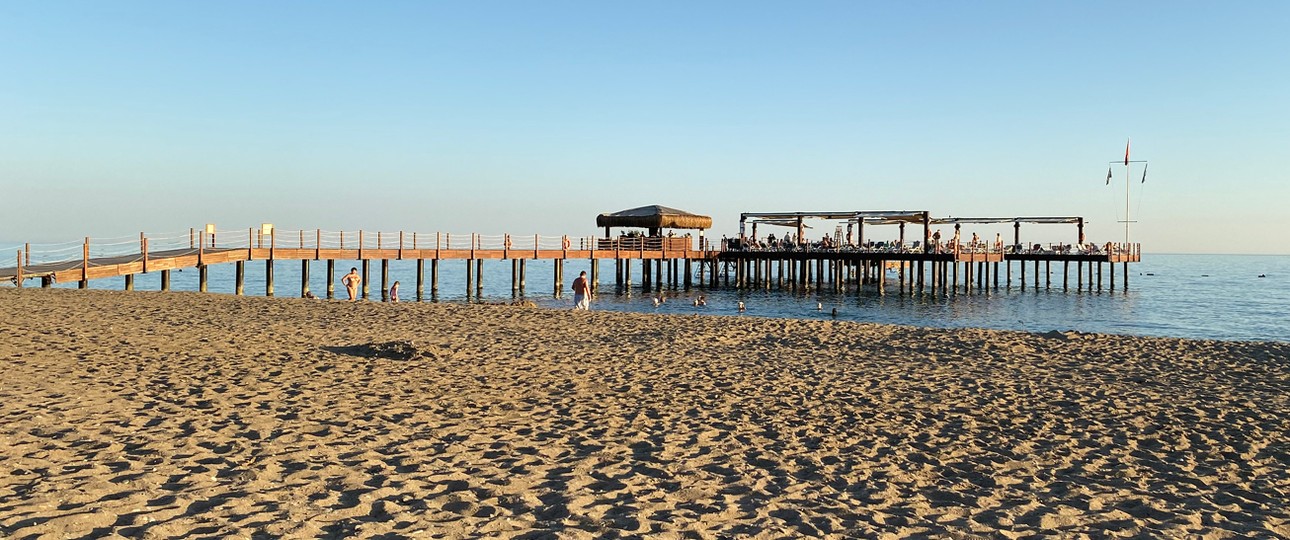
1227 297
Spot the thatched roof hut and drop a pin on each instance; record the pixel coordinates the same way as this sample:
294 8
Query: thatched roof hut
655 218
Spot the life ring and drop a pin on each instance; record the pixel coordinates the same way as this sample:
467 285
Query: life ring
566 242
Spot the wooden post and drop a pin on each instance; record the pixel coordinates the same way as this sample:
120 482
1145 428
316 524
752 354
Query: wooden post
421 273
434 278
688 274
932 278
882 277
1036 273
1079 275
239 286
1048 274
367 267
304 277
1112 289
85 265
555 277
268 276
920 275
203 275
331 279
1090 275
515 276
470 277
479 277
129 282
627 273
1066 265
1099 275
595 275
1022 265
954 278
165 281
18 281
523 272
385 280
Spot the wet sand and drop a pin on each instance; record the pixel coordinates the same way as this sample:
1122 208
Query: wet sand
151 415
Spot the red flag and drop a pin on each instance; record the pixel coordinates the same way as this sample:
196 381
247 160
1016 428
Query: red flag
1126 152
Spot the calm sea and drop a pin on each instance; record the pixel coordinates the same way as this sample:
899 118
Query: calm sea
1192 296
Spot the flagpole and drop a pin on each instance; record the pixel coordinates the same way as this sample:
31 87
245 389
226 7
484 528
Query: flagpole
1126 201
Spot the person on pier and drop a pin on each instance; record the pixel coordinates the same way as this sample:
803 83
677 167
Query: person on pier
351 281
581 292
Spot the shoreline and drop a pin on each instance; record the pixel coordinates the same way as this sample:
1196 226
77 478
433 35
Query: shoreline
214 415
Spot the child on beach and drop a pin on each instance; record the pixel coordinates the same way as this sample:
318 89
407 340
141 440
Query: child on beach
394 292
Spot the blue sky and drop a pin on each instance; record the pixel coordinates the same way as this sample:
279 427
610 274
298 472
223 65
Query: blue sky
120 117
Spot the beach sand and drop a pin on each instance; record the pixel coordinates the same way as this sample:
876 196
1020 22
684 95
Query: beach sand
169 415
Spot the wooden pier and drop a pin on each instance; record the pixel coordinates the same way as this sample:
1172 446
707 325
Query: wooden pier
270 246
675 262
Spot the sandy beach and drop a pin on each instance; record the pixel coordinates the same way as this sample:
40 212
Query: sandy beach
188 415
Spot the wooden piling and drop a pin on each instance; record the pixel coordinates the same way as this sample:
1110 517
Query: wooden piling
304 278
479 277
385 278
434 277
523 271
165 281
268 277
470 277
421 274
367 280
331 279
202 275
129 282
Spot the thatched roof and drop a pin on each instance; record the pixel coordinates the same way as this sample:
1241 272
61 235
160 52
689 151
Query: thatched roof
654 217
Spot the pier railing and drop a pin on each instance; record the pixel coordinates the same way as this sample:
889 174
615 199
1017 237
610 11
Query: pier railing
1109 248
92 252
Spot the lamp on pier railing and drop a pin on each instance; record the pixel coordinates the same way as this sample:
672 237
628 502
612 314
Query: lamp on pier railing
266 228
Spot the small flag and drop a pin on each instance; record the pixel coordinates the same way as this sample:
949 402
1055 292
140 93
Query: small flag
1144 174
1126 152
1108 176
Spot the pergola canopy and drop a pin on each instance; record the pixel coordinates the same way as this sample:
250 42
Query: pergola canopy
654 217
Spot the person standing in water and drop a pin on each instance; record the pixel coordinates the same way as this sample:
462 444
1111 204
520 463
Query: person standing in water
351 281
394 292
581 292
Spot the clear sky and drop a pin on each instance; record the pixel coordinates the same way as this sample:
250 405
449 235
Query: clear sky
533 117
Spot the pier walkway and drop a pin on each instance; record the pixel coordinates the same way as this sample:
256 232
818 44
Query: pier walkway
672 261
